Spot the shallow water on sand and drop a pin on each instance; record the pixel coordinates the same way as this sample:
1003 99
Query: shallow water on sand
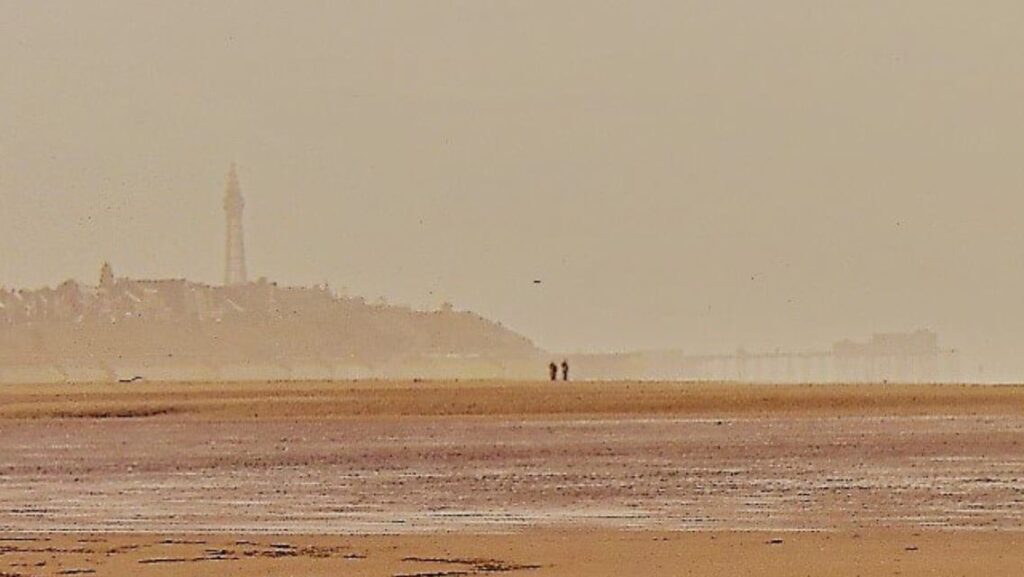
397 475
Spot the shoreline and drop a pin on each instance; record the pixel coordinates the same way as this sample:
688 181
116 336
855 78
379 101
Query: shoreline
265 400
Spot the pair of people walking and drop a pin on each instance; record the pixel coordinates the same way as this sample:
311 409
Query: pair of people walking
553 370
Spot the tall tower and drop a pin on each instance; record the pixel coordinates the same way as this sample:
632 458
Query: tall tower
234 252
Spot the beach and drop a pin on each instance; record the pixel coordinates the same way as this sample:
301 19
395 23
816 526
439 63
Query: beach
530 478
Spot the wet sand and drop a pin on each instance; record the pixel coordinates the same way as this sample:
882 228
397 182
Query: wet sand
518 478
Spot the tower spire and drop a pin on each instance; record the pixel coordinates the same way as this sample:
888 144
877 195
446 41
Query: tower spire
234 253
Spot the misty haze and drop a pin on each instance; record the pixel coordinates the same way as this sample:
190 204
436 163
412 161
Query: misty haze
681 176
452 287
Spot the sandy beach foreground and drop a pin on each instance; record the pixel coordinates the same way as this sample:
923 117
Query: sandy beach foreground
538 553
447 479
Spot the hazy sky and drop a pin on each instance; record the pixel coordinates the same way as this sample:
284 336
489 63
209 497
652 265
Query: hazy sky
679 174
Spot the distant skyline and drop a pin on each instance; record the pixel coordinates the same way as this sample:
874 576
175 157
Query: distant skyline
695 175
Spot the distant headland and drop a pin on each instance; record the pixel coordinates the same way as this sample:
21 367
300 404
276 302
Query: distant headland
122 328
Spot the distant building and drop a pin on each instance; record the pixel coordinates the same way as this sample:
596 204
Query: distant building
917 343
106 276
234 251
175 328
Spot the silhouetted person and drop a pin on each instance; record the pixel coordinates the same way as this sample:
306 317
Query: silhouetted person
553 369
565 370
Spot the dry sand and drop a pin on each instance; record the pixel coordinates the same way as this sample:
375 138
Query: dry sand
451 479
537 553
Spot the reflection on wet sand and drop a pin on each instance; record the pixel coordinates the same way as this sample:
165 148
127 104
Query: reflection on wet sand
416 475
